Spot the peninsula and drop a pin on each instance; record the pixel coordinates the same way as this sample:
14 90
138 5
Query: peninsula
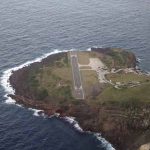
101 88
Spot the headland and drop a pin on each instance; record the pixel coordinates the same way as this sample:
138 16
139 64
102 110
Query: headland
101 88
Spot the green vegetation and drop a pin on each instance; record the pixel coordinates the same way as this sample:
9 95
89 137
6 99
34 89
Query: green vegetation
51 82
110 94
89 77
83 58
91 85
33 82
42 94
64 92
127 77
117 58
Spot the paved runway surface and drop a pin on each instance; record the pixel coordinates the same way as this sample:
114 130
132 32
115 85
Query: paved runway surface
78 89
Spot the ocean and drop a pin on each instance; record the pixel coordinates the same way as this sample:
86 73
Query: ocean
32 28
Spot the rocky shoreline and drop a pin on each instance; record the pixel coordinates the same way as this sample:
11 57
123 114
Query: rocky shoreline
121 137
120 131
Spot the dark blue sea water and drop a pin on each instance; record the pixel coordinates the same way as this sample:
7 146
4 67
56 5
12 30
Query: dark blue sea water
31 28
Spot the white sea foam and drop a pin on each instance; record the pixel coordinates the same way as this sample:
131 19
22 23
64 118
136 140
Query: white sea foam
139 60
105 143
54 115
147 73
89 49
19 105
37 112
9 100
74 123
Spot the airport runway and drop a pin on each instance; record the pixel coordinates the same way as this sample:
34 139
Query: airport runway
78 89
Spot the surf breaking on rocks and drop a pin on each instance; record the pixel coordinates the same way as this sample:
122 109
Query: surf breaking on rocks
9 90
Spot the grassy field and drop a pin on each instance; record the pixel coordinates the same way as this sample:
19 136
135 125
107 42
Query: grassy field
85 67
89 79
126 95
139 93
54 81
129 77
83 58
64 73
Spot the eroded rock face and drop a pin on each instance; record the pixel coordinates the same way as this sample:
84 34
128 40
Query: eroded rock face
110 121
145 147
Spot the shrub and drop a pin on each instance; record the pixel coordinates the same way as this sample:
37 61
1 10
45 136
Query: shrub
42 94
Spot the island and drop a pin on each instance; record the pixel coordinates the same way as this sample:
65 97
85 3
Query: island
102 88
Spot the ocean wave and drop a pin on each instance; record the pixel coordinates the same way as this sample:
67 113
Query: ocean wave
9 90
139 60
73 122
105 143
37 112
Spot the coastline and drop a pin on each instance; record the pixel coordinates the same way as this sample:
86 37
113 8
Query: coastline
36 112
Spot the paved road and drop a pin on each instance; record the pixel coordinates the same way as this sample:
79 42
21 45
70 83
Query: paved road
78 89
